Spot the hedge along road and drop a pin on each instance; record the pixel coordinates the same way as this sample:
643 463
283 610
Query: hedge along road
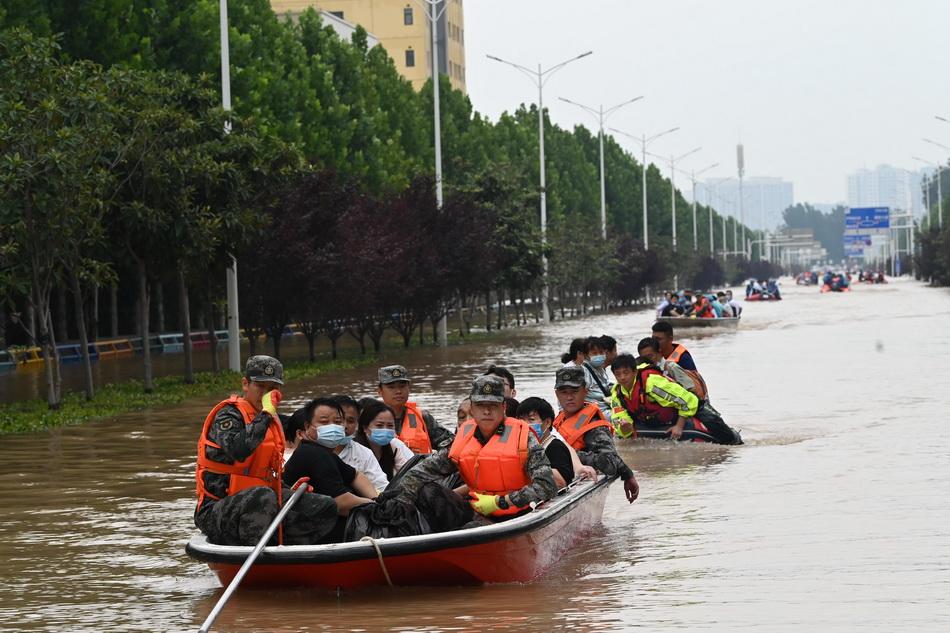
824 520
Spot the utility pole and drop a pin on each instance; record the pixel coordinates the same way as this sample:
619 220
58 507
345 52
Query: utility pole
234 329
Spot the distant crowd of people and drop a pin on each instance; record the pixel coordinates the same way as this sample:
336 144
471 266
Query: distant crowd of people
689 303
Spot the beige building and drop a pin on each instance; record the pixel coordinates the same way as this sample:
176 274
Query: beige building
402 29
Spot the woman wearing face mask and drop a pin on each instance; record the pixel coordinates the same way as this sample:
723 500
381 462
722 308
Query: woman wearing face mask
377 431
317 432
595 370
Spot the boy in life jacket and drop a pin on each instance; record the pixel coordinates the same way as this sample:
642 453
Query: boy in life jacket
499 458
240 468
587 430
415 427
643 394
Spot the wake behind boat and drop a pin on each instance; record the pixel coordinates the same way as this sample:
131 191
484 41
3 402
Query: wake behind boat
516 550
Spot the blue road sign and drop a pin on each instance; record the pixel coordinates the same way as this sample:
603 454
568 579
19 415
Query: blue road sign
867 218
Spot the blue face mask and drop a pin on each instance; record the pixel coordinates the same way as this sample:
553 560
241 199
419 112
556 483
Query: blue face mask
536 427
330 435
346 440
599 360
382 437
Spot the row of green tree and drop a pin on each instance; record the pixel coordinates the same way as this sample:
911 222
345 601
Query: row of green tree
117 171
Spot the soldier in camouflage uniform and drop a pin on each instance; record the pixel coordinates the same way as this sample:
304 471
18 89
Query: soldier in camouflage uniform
488 423
584 427
240 461
414 426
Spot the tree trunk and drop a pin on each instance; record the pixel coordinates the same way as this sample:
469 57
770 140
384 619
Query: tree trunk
276 335
159 307
488 310
422 332
358 332
31 321
47 340
184 318
83 339
61 328
148 382
114 310
215 362
3 326
501 306
94 320
311 341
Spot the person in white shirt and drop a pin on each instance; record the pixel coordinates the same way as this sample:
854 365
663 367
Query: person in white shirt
376 431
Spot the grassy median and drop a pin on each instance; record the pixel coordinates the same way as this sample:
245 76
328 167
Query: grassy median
114 399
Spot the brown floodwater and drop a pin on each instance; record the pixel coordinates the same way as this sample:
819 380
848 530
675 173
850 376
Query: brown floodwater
833 516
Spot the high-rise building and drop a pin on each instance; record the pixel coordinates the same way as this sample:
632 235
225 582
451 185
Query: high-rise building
764 199
886 186
402 28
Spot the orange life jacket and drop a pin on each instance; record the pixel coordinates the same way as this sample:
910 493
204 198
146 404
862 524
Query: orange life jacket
414 433
702 391
264 467
498 467
572 428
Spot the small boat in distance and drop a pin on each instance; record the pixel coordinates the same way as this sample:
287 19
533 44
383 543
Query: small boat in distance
517 550
729 323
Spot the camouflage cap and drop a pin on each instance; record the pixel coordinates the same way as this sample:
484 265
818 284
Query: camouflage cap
393 373
488 388
570 377
264 369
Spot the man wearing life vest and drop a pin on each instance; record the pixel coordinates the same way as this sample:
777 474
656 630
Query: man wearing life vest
499 458
663 332
240 465
587 430
643 394
414 426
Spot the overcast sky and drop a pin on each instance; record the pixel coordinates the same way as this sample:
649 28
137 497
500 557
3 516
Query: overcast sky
814 89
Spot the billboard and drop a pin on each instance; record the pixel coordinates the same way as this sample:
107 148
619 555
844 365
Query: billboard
867 221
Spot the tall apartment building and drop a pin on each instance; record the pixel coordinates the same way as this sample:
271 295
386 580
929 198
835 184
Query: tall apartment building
886 186
402 28
764 199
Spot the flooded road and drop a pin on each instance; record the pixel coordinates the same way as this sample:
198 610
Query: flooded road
833 516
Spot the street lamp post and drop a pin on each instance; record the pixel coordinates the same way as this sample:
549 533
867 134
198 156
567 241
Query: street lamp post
939 182
673 160
234 330
692 176
433 13
540 77
708 187
644 142
602 115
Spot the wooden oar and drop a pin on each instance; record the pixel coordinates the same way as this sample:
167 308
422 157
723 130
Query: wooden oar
206 626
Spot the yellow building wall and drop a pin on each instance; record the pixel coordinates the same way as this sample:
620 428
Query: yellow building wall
384 19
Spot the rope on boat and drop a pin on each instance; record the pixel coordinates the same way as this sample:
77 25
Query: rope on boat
379 556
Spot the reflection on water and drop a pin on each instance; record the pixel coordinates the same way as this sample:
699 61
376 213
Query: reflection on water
832 517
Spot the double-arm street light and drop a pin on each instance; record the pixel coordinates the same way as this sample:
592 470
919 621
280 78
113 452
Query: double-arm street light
939 167
708 187
673 160
692 176
602 116
644 141
540 77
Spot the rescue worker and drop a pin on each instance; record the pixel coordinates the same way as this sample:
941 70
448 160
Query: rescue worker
240 468
507 376
703 309
539 415
585 428
649 348
643 394
500 460
415 427
663 332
